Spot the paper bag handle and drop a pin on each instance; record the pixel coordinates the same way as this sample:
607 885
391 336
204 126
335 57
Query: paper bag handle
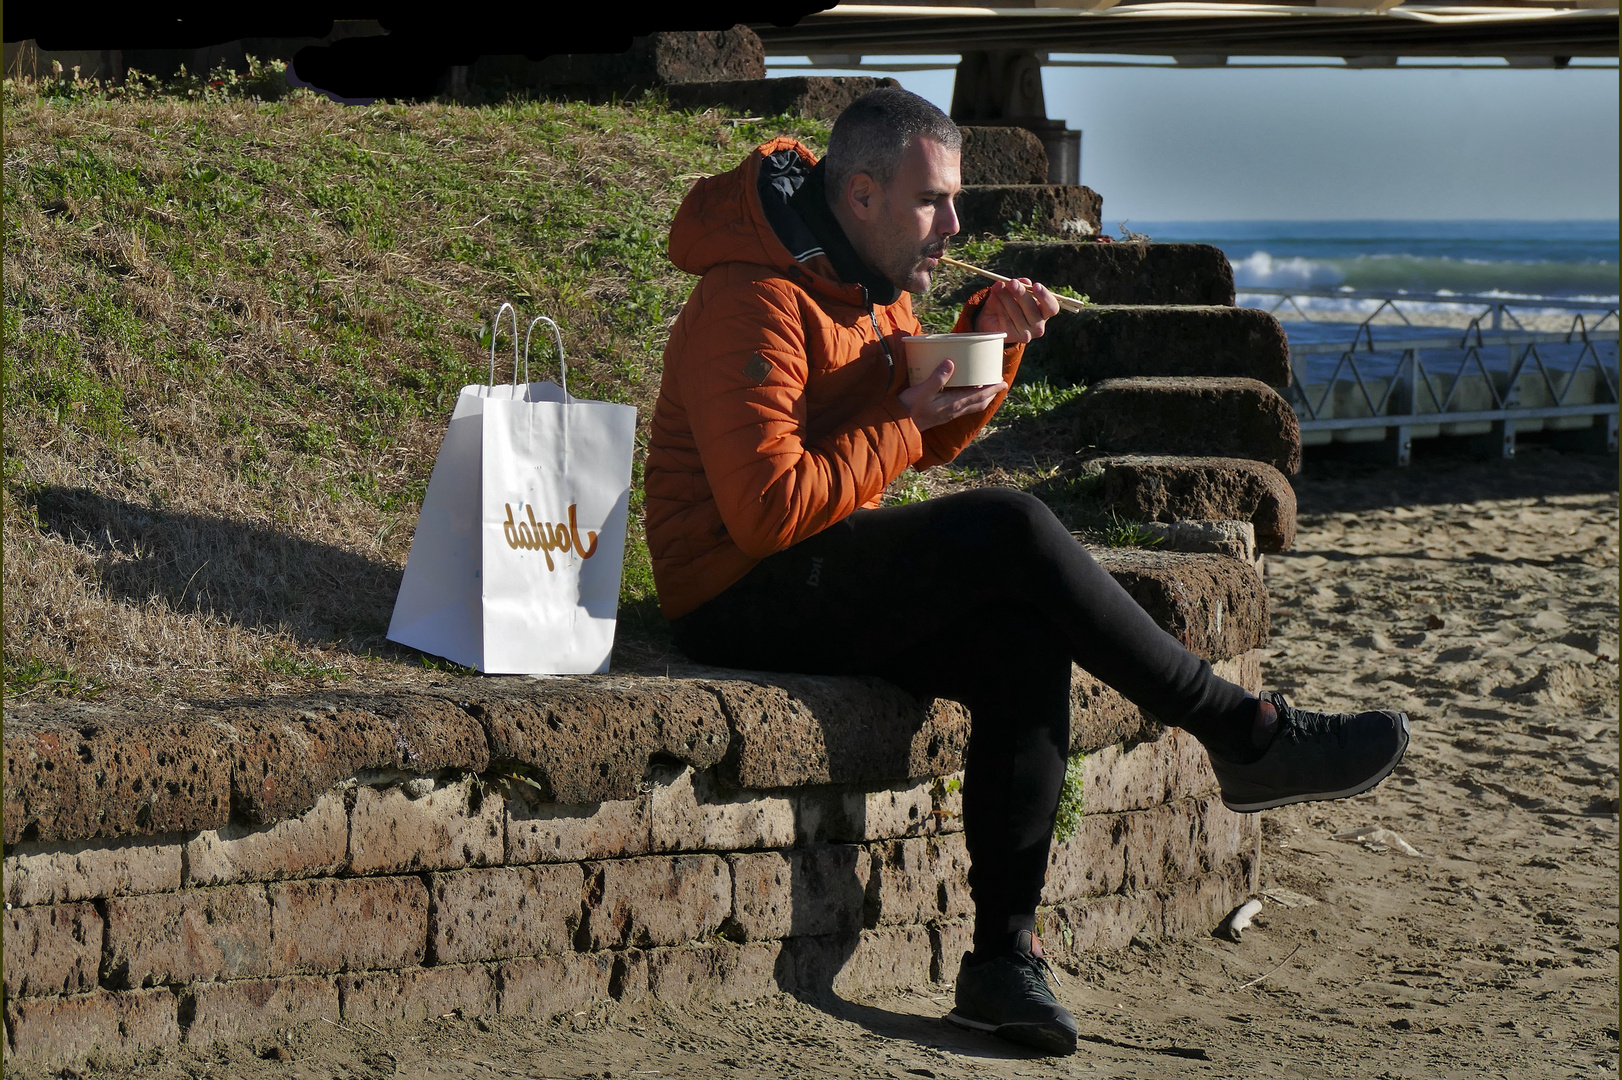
563 371
496 329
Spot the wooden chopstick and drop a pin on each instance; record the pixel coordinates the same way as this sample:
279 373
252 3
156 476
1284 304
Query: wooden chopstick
1065 302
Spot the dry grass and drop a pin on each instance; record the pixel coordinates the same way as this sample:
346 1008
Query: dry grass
234 331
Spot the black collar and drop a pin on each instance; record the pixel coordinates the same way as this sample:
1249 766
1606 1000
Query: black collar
811 203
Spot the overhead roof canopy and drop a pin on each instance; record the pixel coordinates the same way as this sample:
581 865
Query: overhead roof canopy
1211 30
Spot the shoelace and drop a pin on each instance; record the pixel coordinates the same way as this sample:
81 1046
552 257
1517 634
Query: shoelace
1041 969
1297 724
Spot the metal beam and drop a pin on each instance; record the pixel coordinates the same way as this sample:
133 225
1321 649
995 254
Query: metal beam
1206 29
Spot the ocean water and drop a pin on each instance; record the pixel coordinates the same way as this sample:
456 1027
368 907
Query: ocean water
1524 261
1567 259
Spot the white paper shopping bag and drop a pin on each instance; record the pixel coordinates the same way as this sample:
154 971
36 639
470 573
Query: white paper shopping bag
515 565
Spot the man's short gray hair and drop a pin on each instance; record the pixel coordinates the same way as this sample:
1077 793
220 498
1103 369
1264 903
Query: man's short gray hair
875 130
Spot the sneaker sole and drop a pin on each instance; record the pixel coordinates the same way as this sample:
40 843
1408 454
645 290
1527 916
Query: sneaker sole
1325 796
1041 1036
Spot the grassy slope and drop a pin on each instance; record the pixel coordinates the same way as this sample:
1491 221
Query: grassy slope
234 331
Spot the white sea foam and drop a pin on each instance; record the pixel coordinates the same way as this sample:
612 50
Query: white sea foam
1261 270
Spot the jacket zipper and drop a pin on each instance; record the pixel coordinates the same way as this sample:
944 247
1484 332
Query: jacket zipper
883 345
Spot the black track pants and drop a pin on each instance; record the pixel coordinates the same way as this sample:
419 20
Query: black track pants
984 598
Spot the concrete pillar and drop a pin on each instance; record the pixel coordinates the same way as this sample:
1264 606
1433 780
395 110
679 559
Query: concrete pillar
1004 88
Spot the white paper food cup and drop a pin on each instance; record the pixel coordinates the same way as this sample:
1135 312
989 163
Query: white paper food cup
976 358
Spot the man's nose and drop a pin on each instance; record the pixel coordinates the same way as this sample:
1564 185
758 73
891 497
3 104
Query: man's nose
946 223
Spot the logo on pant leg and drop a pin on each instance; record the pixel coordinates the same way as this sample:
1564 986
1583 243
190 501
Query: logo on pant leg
816 571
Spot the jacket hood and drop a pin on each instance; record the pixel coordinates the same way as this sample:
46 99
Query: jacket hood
724 218
771 211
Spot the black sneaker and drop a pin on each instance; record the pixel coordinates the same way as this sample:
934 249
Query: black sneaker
1009 996
1314 756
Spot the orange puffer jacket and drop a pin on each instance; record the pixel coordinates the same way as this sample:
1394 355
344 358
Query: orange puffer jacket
777 413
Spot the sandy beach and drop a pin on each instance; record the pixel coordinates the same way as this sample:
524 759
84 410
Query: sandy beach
1476 936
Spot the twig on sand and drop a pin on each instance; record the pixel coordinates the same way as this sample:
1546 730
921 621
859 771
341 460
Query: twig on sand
352 1031
1264 975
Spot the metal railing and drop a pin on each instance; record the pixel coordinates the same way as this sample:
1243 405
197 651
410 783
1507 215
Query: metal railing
1587 315
1395 391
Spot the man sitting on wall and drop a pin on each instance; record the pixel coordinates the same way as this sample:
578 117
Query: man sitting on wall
783 414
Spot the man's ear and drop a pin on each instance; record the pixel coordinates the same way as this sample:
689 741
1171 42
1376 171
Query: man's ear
860 194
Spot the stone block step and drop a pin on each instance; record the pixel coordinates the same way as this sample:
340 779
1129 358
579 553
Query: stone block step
1241 418
1003 155
1057 209
821 96
1122 273
1215 605
1165 488
1114 342
589 743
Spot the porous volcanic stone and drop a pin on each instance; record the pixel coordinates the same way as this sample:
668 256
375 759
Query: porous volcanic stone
414 995
1138 776
1186 909
90 870
550 832
546 986
1100 717
61 1032
1003 155
1114 342
80 773
834 813
949 941
450 827
244 1009
1161 488
326 925
1241 418
504 912
884 958
286 754
1214 605
1148 849
313 844
720 972
689 812
666 58
800 893
591 740
222 933
919 880
1122 273
1060 209
791 730
655 901
821 96
52 949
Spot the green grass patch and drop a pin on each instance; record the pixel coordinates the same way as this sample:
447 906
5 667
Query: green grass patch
1071 805
32 676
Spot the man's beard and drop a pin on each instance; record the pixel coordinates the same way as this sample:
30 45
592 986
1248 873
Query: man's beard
906 276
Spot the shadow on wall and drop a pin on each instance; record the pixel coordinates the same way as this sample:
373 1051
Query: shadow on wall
199 564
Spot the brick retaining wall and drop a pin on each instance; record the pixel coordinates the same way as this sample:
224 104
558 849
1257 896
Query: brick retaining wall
400 895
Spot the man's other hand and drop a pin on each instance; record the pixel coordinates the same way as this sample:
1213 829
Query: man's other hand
1018 308
930 403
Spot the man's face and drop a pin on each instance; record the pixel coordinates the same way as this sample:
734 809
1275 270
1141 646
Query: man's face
903 232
